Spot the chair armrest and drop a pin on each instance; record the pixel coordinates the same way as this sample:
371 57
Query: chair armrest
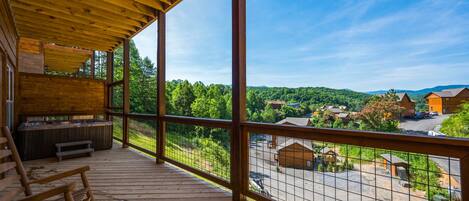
61 175
65 189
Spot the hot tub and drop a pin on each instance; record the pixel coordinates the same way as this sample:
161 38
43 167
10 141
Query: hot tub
37 140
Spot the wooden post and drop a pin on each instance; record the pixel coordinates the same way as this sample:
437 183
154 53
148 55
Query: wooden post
125 136
92 64
161 87
464 163
238 163
109 78
3 61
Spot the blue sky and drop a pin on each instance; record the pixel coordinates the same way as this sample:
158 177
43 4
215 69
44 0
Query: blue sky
359 45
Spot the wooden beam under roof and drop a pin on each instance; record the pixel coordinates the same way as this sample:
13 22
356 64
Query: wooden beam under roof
95 25
64 59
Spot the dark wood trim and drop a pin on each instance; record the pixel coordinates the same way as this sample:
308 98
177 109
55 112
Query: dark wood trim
161 87
112 84
112 113
203 174
465 177
142 116
257 196
412 143
59 77
212 123
92 64
142 149
238 174
109 77
126 96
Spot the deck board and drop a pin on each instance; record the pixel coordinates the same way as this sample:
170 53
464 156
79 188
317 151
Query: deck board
122 174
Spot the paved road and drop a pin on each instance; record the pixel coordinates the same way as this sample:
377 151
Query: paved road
422 124
370 180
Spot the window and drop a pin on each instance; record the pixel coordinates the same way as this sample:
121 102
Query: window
10 97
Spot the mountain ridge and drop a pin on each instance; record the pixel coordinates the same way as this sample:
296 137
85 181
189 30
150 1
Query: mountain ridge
421 91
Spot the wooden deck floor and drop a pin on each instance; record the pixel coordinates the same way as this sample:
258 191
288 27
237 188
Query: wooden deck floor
122 174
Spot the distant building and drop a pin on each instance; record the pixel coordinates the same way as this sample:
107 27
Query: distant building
276 104
294 105
296 153
451 171
328 155
296 121
447 101
396 166
407 104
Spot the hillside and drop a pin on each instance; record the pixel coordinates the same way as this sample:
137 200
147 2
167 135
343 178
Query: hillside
420 91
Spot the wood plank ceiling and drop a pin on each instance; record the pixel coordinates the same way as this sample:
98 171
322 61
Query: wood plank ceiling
64 59
94 25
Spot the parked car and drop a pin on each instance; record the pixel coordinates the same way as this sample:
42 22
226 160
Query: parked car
433 113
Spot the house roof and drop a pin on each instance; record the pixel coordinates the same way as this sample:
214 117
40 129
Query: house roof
342 115
448 93
393 159
335 110
448 165
402 95
305 143
278 102
326 150
299 121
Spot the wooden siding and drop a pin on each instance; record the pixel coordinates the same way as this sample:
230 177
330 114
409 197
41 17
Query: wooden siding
122 174
8 35
54 95
296 156
408 106
447 105
435 104
30 56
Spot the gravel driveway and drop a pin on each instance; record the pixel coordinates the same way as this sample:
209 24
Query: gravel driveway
422 124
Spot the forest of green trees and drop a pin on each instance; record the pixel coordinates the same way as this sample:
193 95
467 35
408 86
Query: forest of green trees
377 113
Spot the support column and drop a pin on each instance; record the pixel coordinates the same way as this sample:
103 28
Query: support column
109 79
161 87
92 64
239 163
126 106
464 163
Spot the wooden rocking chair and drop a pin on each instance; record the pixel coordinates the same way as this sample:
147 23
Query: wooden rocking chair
8 150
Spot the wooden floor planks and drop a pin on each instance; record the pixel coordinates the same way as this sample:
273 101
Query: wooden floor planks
122 174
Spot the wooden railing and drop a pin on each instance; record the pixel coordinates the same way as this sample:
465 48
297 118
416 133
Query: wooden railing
441 146
239 128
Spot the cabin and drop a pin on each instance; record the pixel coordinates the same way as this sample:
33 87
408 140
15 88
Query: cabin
407 104
276 104
396 166
447 101
450 171
295 153
293 121
328 155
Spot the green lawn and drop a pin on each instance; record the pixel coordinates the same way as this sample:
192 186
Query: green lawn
203 153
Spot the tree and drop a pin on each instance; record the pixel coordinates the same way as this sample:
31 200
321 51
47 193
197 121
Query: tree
381 113
269 115
457 125
182 98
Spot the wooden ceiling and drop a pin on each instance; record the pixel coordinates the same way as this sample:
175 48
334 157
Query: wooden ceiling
94 25
64 59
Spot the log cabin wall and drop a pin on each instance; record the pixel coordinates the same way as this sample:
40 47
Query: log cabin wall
8 53
30 56
44 95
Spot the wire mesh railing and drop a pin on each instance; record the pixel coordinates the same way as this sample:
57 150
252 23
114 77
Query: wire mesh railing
287 168
202 148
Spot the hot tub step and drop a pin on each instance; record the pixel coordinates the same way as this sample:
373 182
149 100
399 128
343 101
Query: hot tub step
68 144
74 152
